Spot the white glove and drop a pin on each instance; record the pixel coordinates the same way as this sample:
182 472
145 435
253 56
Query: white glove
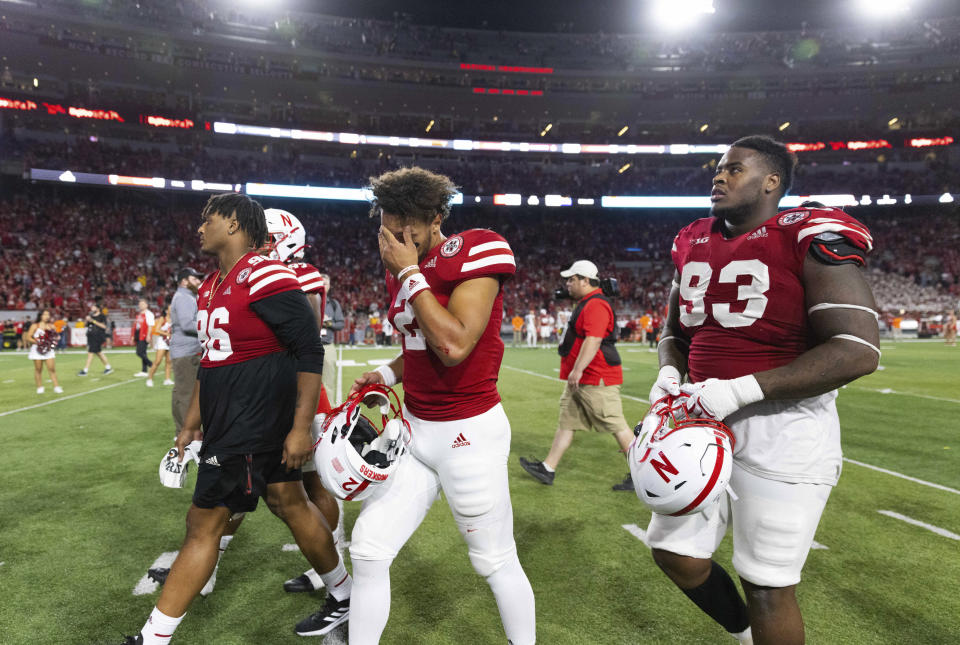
718 398
668 382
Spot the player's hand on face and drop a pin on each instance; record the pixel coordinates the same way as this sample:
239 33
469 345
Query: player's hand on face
297 449
396 254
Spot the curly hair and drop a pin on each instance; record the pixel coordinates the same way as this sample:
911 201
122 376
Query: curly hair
412 194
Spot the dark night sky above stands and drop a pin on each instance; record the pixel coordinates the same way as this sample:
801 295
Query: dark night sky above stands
610 16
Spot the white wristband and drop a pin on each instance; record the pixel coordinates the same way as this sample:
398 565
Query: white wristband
414 285
746 390
412 267
387 374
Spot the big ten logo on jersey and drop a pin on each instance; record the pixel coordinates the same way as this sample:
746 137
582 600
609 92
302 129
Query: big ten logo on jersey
401 315
213 338
695 280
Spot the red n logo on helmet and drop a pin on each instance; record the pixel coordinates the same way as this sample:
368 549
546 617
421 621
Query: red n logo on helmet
286 220
665 465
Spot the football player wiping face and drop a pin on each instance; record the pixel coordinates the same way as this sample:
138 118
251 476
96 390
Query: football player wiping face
406 241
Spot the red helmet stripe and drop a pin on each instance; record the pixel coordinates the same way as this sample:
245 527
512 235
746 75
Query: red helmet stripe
714 476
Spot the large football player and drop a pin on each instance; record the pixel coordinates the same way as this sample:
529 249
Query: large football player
256 396
446 300
769 314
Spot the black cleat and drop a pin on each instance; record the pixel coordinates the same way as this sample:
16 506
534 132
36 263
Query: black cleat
132 640
159 575
537 470
329 616
626 484
300 584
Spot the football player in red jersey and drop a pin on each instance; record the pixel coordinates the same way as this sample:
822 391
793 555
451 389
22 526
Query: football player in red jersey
769 314
256 396
446 301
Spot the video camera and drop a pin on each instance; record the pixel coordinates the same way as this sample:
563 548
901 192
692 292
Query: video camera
609 286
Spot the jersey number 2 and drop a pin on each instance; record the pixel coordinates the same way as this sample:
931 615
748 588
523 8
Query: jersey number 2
213 337
407 324
695 313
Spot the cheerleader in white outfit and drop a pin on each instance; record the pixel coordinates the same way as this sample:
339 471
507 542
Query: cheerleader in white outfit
161 343
42 338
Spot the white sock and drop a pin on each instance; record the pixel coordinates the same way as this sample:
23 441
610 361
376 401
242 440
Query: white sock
106 367
745 637
224 543
369 602
314 577
546 467
514 597
338 581
159 628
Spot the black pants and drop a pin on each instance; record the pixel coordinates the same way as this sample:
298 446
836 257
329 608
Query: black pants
142 353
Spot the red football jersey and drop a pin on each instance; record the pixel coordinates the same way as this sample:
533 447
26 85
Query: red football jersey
228 329
433 391
742 299
309 277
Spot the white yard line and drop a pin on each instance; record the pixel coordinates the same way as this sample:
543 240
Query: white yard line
902 476
930 527
66 398
146 584
887 390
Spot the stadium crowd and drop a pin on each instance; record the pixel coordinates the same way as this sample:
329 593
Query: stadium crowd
61 249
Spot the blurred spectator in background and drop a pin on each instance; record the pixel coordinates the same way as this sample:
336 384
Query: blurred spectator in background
161 343
141 335
96 326
184 345
333 323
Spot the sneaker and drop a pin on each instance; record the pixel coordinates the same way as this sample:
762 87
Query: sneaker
626 484
82 373
536 469
149 382
321 622
58 390
158 575
106 370
303 583
132 640
140 374
167 381
40 390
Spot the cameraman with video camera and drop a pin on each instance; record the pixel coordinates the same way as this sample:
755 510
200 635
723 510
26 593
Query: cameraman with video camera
591 366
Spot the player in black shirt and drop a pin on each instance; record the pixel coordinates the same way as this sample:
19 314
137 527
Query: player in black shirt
256 395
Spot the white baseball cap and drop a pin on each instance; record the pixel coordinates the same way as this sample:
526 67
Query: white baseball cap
586 268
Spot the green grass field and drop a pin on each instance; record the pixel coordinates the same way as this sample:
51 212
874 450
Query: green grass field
83 515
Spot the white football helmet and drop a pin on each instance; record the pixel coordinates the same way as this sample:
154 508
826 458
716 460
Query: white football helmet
351 456
286 237
173 473
680 465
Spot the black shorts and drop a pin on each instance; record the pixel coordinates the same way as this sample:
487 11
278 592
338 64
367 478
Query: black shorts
239 481
94 345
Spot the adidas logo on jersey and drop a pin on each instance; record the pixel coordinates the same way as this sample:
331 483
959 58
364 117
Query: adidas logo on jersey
460 441
760 232
431 264
212 461
227 292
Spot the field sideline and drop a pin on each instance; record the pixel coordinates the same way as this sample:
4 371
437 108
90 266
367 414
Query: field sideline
82 516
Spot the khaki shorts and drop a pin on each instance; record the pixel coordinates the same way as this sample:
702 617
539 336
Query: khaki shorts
596 407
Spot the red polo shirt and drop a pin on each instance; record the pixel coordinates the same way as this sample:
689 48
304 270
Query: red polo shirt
597 320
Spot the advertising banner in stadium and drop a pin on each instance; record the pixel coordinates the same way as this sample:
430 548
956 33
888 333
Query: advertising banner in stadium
122 336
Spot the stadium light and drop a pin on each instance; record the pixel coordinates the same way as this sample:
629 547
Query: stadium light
623 130
882 9
429 125
675 15
703 128
784 126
